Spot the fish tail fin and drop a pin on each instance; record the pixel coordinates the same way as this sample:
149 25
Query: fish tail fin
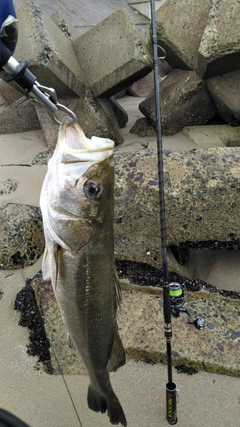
96 402
115 411
118 356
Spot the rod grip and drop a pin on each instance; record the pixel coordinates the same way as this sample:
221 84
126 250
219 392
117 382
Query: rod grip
171 403
166 304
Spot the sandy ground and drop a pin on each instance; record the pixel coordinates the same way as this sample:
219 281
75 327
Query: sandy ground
43 400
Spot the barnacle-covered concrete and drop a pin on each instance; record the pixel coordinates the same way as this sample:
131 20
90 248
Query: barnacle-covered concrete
141 326
21 235
201 200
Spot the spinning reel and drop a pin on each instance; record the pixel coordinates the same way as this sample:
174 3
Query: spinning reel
178 294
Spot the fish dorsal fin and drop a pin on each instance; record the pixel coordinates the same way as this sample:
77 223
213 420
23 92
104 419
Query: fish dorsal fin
118 356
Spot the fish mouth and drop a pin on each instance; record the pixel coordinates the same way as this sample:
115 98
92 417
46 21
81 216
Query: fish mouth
76 147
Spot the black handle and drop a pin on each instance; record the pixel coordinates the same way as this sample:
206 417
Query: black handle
20 73
5 54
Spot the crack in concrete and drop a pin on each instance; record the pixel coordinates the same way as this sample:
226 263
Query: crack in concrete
16 164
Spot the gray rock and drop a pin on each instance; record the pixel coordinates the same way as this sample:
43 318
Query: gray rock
219 49
180 26
7 186
185 101
112 55
224 90
21 235
198 185
43 157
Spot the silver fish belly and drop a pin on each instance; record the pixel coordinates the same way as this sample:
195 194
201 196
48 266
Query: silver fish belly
77 202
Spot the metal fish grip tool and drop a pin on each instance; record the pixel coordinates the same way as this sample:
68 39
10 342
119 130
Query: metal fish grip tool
27 84
171 390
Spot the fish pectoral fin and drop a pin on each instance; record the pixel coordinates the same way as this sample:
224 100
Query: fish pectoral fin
70 342
50 264
46 274
118 356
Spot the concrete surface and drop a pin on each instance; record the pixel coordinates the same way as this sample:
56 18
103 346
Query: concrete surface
86 13
43 400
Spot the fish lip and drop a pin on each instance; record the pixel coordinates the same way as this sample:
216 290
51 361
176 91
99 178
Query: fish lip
91 146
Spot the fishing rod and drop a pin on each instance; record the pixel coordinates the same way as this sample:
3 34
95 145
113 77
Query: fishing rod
171 390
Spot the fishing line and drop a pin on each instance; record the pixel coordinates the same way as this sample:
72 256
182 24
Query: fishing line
59 368
68 390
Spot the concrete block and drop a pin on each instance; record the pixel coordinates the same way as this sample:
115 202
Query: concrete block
91 116
21 235
185 101
219 50
19 117
8 93
51 56
112 55
143 127
180 26
48 125
201 200
224 90
115 111
213 135
142 87
65 26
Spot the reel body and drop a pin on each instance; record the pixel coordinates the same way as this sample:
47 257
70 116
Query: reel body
178 295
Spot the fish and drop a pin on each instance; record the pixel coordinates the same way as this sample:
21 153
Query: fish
77 204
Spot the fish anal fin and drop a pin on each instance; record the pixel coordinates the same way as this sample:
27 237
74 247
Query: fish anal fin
117 288
118 356
70 342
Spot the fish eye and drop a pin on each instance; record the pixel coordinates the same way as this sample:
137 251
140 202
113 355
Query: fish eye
92 190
